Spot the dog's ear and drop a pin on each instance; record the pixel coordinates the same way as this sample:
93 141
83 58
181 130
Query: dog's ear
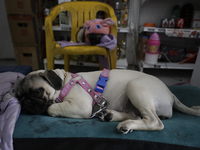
54 80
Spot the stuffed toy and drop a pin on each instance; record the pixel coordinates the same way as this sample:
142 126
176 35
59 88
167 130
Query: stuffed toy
95 29
95 32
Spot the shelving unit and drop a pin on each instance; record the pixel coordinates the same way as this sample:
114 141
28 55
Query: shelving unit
153 12
171 33
167 65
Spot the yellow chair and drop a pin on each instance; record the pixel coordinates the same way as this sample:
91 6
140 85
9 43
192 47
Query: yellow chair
81 11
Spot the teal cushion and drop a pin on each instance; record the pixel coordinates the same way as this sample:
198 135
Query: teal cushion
181 129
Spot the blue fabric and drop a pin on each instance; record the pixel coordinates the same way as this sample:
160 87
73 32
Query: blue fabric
181 129
22 69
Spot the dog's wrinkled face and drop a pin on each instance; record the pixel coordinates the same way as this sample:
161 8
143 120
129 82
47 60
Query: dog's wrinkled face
94 38
35 91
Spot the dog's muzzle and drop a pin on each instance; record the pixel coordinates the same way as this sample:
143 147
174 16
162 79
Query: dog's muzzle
94 38
32 105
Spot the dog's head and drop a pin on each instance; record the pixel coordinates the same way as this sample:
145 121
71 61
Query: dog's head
35 91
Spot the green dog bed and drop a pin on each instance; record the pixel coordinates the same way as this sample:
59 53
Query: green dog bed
182 131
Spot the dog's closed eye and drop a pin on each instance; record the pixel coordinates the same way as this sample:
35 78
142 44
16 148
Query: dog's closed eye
38 92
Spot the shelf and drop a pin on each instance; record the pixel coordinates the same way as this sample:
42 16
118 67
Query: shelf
122 63
171 32
166 65
58 28
153 29
123 30
73 63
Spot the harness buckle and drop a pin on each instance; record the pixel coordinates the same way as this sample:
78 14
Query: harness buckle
57 100
99 107
101 84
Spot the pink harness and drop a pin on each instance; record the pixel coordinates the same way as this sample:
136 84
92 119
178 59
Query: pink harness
99 102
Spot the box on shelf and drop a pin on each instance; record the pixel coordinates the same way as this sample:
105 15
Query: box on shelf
141 47
187 33
32 56
26 29
24 6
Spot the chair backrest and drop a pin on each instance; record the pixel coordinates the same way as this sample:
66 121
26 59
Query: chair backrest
81 11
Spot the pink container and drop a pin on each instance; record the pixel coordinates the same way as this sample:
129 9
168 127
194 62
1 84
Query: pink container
152 50
153 44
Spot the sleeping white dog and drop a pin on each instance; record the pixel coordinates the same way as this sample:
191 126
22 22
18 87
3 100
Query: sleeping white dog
136 99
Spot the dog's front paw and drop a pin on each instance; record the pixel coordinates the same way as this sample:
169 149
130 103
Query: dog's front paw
105 115
124 127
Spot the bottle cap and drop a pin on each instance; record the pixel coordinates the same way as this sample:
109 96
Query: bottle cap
154 37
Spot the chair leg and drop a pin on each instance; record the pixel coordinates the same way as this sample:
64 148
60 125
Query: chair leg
66 62
110 63
113 60
100 66
50 62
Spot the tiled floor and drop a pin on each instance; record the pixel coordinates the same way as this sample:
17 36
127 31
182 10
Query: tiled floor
169 77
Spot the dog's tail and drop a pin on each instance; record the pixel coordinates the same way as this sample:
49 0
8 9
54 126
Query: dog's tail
194 110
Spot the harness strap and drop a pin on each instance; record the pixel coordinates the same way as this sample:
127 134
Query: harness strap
99 102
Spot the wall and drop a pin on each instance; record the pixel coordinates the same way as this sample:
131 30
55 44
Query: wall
196 72
6 46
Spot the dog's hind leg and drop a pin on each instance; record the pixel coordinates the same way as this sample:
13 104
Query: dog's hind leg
141 98
112 115
148 122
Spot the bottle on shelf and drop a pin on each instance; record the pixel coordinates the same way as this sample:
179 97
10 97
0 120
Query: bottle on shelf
124 14
117 13
122 50
122 17
152 50
176 10
47 8
64 18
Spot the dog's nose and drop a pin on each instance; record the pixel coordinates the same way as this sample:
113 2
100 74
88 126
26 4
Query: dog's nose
94 38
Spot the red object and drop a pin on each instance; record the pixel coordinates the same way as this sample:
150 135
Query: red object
164 23
190 57
171 23
149 25
179 23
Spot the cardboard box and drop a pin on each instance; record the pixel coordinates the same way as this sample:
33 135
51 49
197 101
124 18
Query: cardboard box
24 6
142 44
32 56
26 29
